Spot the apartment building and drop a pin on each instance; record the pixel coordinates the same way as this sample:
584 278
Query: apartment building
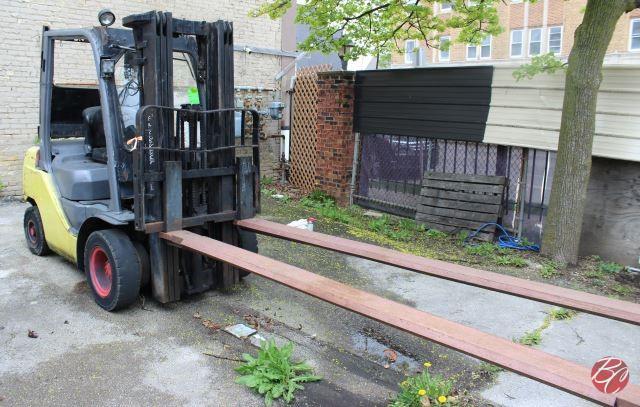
530 29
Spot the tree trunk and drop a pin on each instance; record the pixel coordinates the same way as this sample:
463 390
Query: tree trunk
563 224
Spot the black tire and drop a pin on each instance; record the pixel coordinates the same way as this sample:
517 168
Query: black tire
113 269
248 241
34 232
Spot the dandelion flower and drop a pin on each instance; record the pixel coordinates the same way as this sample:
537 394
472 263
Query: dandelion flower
427 364
422 392
442 399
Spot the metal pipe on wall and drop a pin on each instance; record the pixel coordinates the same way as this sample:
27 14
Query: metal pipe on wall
354 167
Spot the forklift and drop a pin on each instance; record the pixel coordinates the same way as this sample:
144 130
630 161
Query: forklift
107 177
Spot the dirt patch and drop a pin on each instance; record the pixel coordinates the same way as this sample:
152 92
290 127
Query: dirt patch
81 287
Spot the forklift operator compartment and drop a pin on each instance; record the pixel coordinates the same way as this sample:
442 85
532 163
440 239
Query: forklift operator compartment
77 140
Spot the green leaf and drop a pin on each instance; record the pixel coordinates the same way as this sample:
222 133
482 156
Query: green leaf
249 380
277 390
546 63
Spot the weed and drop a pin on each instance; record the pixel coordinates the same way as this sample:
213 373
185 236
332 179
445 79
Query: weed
559 314
487 371
320 197
511 260
2 186
273 374
610 267
414 390
435 234
531 338
462 236
379 224
549 269
267 181
621 289
595 274
490 369
268 191
483 249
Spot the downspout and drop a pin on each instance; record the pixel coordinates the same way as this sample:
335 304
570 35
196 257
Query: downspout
354 167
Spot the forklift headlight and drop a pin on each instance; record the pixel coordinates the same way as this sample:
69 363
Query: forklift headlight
107 67
106 17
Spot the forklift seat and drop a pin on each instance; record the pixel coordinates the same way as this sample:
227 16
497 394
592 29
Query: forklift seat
84 176
94 138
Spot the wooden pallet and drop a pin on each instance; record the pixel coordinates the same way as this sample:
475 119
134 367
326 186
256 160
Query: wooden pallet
457 202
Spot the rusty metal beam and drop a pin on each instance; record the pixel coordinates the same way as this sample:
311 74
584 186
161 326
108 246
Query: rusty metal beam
547 293
523 360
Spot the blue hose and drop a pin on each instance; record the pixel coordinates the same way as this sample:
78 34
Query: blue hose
504 240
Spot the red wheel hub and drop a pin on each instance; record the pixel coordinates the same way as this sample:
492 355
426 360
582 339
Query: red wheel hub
100 272
32 231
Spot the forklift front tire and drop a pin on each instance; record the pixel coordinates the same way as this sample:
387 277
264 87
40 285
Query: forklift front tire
113 268
34 232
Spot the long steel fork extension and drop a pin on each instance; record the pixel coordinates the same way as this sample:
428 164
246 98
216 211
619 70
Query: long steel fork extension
547 293
529 362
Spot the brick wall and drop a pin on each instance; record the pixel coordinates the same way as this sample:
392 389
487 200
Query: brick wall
335 138
22 22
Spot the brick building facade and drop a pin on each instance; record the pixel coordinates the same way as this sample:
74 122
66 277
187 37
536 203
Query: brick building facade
20 61
529 29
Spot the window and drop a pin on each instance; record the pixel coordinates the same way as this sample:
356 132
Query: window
410 52
444 43
555 39
516 43
634 42
482 51
485 48
535 39
472 52
445 7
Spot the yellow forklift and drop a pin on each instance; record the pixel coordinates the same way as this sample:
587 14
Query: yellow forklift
117 165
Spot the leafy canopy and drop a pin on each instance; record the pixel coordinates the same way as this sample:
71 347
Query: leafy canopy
377 27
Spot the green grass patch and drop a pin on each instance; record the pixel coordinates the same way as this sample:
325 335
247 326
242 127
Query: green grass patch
549 269
610 267
621 289
436 234
273 374
531 338
510 260
595 274
267 181
415 391
534 337
560 314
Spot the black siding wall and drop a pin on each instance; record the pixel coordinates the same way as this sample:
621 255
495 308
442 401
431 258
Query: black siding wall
446 103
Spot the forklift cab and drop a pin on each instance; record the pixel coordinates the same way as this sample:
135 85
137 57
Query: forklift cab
118 161
84 126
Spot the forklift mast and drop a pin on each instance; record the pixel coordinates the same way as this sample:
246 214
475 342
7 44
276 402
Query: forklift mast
185 170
